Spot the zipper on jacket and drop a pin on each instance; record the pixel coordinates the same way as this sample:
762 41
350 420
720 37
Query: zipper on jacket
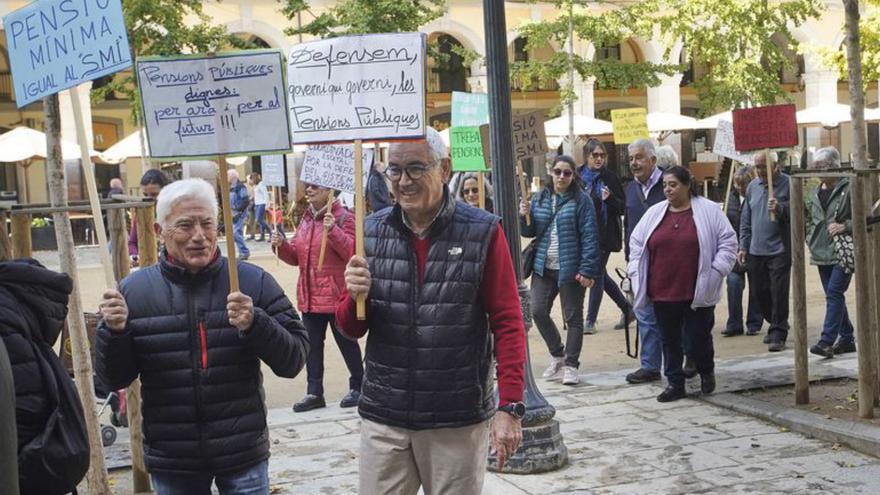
203 341
195 324
416 295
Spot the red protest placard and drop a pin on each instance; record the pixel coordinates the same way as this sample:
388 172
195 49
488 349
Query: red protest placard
765 127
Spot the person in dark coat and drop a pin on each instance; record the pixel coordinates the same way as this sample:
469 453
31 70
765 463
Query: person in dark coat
33 305
8 433
736 280
604 188
197 348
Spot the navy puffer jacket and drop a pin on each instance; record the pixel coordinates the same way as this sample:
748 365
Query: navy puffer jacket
201 382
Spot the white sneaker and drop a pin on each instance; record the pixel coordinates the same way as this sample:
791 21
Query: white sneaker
553 368
570 376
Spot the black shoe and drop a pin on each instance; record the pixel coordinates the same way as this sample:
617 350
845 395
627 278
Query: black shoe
823 349
707 383
642 376
262 238
690 368
671 393
731 332
767 339
844 347
776 346
753 331
625 319
309 402
351 398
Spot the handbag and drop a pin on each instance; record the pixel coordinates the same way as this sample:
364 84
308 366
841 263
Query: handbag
529 253
844 248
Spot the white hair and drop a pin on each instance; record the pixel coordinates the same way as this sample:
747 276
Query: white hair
828 156
645 145
666 157
232 173
197 189
774 157
439 151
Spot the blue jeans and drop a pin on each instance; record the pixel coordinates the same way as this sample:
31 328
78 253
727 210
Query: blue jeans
651 352
837 324
604 285
238 234
680 323
260 213
736 283
252 481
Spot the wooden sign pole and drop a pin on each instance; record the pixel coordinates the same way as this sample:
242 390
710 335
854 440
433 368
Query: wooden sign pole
770 194
359 210
733 169
481 191
326 232
227 221
94 201
522 188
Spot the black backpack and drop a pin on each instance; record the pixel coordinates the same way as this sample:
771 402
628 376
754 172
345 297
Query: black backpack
57 459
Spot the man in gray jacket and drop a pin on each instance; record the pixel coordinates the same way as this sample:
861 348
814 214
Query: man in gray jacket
765 246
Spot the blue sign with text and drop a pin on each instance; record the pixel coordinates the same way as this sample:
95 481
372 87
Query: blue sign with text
57 44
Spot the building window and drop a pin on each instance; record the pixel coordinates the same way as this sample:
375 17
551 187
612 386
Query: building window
608 52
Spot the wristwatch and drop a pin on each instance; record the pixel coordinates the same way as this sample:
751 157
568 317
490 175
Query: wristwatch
515 409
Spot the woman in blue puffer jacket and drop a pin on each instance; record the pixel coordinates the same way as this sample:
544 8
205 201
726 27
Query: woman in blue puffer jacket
566 262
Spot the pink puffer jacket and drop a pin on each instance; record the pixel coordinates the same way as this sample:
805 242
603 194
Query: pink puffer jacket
319 291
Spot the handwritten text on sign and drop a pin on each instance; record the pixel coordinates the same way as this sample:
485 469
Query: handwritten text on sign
367 87
272 167
333 166
528 135
765 127
205 106
630 124
466 149
57 44
469 109
723 145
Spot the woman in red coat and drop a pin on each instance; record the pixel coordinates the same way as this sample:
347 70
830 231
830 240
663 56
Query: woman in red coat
318 291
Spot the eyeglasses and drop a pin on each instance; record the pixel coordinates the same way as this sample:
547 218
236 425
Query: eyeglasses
471 191
565 173
598 155
415 171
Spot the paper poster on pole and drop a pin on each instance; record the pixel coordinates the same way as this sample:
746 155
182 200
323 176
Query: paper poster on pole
227 104
58 44
758 128
272 167
723 145
369 87
332 166
469 109
529 138
630 124
466 149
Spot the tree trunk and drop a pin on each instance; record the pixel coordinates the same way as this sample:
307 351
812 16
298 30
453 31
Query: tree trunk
82 362
5 244
856 91
21 236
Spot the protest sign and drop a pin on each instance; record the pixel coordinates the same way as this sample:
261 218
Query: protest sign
333 166
469 109
528 135
630 124
369 87
723 145
272 167
466 149
58 44
199 106
758 128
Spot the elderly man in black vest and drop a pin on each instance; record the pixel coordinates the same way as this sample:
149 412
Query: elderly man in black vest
441 301
197 348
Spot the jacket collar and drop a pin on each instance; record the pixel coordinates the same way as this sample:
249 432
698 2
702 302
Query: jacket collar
179 275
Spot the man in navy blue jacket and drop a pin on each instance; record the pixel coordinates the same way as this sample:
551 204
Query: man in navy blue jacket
644 191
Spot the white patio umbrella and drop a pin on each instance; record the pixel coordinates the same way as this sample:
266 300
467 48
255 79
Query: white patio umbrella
583 126
24 143
711 122
872 114
670 122
826 115
127 147
444 135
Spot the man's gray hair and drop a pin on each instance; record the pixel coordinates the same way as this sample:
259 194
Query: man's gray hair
666 157
197 189
645 145
774 157
827 157
232 173
439 151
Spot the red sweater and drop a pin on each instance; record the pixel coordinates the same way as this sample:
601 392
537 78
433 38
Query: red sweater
498 293
674 253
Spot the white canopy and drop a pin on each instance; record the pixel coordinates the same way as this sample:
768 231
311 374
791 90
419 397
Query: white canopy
583 126
670 122
128 147
827 115
711 122
24 143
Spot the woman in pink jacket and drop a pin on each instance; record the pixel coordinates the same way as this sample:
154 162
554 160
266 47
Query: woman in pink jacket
318 290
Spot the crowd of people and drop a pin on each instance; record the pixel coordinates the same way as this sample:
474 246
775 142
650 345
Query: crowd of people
440 307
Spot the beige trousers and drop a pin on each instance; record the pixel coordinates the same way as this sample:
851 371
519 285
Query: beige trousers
445 461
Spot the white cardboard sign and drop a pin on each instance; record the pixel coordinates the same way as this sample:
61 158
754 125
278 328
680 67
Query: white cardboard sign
369 87
272 167
333 166
723 145
202 106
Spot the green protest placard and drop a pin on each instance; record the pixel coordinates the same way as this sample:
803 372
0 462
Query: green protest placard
466 149
469 109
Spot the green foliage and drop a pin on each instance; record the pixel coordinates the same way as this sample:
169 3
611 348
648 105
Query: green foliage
604 27
363 16
164 28
732 38
38 222
869 35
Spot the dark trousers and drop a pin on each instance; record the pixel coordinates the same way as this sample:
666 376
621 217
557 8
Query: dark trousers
316 325
770 277
604 285
736 284
677 321
837 324
544 291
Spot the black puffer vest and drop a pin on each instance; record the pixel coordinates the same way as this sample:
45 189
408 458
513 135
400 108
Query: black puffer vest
429 349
